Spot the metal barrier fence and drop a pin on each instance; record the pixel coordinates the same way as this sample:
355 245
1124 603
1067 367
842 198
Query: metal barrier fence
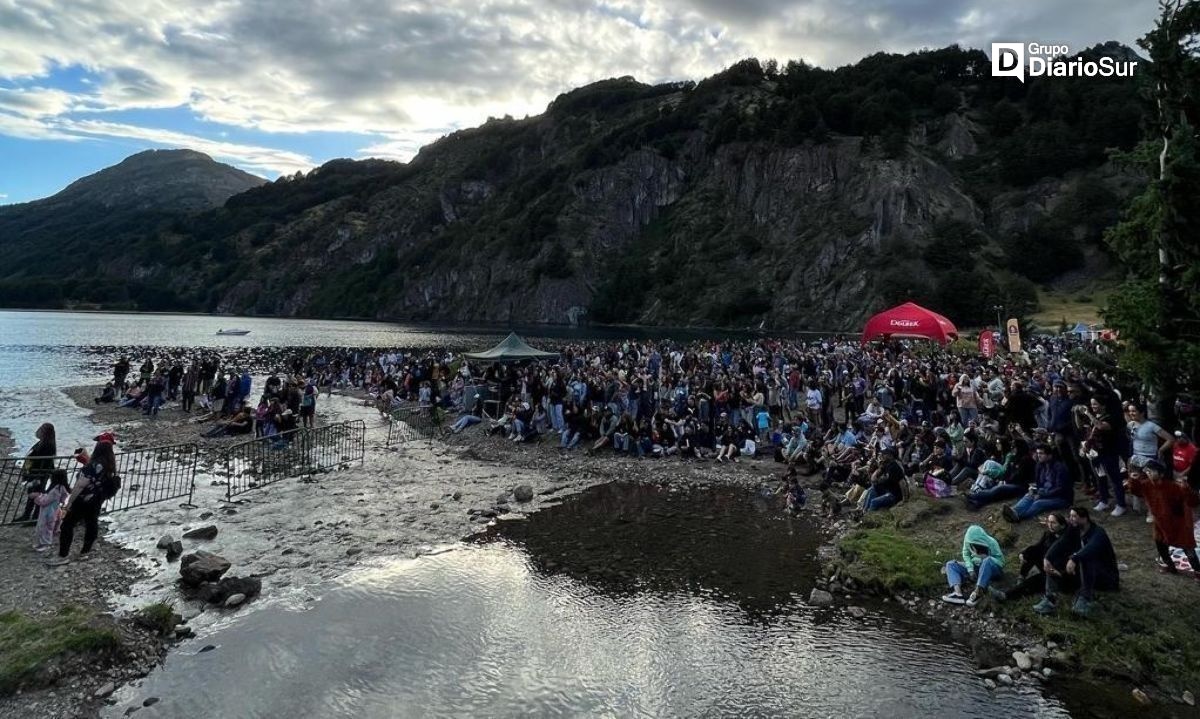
414 423
266 460
147 476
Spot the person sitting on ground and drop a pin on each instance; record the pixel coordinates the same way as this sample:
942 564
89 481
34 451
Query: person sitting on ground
967 466
465 420
1033 580
608 427
1053 488
1170 502
749 447
131 398
1083 561
728 445
1020 472
240 423
982 562
887 482
108 394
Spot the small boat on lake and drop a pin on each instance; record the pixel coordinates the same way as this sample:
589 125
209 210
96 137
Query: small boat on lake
233 332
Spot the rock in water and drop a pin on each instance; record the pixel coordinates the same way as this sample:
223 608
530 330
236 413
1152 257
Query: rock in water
1023 660
234 600
523 493
820 598
1141 696
174 550
199 567
165 541
1189 698
209 531
105 690
857 612
248 587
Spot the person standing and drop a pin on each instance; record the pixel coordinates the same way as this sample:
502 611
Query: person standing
1170 502
38 464
189 385
308 405
1104 440
96 482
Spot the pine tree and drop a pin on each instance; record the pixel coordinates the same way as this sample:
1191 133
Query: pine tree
1158 309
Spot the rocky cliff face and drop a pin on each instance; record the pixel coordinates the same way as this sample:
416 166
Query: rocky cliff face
799 198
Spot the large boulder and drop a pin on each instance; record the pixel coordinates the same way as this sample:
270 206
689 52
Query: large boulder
199 567
165 541
523 493
209 531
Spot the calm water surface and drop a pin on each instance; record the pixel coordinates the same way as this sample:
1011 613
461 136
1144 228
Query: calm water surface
701 614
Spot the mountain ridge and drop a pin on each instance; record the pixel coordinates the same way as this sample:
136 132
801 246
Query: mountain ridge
788 195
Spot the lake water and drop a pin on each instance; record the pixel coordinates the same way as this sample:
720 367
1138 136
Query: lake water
625 601
41 352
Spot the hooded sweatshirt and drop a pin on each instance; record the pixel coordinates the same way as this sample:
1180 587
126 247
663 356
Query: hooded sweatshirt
976 535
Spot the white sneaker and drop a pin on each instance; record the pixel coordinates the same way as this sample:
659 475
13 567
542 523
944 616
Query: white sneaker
1119 511
1149 519
1100 507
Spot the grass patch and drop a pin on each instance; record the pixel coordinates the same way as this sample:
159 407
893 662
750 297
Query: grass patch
159 617
895 560
27 643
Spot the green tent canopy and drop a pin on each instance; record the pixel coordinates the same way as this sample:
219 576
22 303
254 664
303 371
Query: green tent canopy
511 349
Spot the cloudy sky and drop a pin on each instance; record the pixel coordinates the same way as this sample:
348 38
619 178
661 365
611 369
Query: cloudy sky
275 86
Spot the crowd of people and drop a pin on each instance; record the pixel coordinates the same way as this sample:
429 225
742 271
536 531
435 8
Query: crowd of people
864 425
1035 432
217 394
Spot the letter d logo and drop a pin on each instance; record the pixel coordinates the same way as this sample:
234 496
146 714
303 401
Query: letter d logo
1008 60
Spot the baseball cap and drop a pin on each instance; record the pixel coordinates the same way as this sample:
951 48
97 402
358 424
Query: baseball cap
105 437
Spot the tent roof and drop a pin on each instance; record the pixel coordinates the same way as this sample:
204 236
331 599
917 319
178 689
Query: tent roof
910 320
511 349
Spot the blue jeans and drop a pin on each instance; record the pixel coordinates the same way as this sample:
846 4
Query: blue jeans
569 439
465 421
876 502
967 415
556 417
996 494
621 442
989 569
1030 506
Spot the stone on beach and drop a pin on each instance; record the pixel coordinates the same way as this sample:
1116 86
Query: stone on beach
201 566
209 531
523 493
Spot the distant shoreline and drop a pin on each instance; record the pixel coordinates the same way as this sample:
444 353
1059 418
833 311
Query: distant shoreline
465 324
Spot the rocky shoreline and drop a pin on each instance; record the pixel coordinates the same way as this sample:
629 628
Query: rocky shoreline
409 500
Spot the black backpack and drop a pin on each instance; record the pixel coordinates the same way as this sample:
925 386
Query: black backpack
104 485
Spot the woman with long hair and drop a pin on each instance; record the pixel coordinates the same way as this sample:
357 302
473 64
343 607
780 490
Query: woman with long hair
93 485
38 465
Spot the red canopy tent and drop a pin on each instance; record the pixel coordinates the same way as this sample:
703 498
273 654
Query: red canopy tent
910 320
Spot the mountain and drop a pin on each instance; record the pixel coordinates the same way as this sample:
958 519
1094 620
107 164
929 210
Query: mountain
63 237
798 196
183 180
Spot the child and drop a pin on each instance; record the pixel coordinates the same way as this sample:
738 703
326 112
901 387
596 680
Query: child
48 516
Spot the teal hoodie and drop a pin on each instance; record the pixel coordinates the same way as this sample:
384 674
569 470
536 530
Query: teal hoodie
976 535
